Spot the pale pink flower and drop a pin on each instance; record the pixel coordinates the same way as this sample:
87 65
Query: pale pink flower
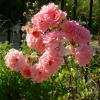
83 55
49 15
51 61
48 64
52 39
31 40
15 59
39 74
35 42
76 32
39 22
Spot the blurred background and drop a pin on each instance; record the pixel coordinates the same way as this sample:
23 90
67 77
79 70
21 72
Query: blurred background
15 13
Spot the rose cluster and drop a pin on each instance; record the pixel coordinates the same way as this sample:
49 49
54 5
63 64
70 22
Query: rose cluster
54 36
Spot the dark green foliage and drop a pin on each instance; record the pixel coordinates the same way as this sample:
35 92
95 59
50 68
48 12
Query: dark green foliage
12 10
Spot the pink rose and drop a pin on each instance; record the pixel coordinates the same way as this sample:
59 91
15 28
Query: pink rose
52 39
35 42
83 55
49 16
15 60
39 74
76 32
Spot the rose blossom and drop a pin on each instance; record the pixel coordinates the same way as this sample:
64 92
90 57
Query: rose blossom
47 65
52 39
25 70
76 32
15 59
49 15
31 40
39 74
51 60
35 42
83 55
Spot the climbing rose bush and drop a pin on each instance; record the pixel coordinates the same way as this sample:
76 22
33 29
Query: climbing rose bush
54 36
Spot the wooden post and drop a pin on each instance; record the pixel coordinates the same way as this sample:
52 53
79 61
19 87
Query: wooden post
62 4
90 14
74 9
